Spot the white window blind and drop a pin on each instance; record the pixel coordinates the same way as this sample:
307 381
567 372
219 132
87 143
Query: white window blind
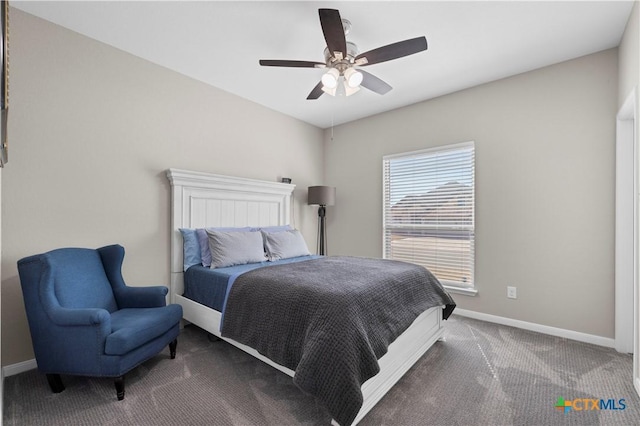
429 211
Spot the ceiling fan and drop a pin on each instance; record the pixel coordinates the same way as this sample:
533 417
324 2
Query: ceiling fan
344 62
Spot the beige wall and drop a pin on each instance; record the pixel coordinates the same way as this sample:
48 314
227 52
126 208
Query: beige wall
629 56
545 143
93 130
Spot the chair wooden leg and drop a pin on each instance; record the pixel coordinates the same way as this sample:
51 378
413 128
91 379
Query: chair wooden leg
172 348
55 383
119 382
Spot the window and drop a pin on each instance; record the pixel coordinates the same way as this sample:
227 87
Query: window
428 211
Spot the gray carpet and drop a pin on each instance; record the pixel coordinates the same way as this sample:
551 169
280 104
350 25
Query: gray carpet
484 374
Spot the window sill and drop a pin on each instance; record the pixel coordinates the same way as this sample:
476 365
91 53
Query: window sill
460 290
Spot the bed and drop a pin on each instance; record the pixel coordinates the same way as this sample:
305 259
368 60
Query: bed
203 200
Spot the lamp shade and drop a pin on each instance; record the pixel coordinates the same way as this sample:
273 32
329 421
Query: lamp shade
322 195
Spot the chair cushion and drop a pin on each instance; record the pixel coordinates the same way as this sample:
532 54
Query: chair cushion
132 328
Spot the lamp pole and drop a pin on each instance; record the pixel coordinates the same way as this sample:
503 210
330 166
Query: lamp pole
322 238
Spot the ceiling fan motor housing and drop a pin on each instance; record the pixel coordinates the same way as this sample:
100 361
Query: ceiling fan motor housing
343 63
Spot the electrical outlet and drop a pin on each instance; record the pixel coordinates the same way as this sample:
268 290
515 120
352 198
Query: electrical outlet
511 293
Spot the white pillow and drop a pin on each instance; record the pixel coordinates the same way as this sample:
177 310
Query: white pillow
285 244
235 248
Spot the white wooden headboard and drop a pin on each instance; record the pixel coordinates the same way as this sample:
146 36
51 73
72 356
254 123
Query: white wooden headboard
200 200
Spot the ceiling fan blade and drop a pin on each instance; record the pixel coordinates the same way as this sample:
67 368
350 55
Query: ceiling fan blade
333 31
295 64
373 83
316 92
392 51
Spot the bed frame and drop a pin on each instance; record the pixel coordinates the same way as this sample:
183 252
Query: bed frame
200 200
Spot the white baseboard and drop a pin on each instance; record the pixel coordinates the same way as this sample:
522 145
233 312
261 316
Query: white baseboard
20 367
545 329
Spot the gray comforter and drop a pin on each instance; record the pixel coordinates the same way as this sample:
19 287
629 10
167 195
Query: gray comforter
330 320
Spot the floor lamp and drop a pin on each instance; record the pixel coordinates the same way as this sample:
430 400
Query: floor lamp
322 196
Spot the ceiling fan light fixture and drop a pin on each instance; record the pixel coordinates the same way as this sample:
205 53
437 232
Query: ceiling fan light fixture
348 90
329 91
330 79
352 78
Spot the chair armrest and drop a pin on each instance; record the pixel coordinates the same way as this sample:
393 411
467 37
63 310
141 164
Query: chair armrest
73 340
79 317
141 297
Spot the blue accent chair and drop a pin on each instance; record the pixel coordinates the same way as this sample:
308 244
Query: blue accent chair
85 321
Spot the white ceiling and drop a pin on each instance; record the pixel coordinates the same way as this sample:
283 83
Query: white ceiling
220 43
